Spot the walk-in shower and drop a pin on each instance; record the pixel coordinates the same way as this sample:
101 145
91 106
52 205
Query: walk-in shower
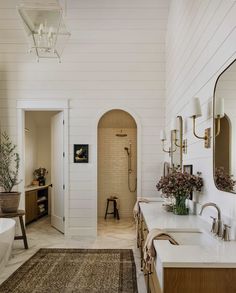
130 171
117 161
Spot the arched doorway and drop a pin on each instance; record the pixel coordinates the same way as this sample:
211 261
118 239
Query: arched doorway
117 161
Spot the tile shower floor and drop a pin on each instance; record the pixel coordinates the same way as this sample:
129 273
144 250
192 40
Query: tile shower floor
111 234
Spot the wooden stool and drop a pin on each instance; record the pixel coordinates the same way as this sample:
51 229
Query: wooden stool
20 214
115 210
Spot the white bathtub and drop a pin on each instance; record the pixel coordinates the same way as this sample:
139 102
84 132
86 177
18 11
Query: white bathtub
7 233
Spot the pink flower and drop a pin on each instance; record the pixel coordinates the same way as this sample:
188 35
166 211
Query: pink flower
223 180
179 183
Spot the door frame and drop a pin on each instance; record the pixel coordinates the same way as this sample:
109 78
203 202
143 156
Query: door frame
139 150
43 105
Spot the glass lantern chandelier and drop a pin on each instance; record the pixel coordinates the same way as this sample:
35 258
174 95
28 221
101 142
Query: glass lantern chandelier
45 28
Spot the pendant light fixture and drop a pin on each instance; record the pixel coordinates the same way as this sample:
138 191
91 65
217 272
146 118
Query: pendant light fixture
45 28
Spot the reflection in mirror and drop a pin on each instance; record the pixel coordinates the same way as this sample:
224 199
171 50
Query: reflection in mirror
175 156
225 130
177 145
177 142
171 148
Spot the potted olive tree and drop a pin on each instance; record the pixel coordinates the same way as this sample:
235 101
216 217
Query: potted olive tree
9 169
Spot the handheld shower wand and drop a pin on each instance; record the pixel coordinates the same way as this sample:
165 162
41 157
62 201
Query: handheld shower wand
128 150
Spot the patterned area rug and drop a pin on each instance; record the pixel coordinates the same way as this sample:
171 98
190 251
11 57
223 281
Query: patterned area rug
75 270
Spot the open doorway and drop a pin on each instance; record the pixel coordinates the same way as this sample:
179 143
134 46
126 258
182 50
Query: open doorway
43 168
117 164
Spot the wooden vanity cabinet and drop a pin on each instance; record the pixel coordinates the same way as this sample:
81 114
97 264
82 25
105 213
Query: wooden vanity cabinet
199 280
36 204
151 280
31 207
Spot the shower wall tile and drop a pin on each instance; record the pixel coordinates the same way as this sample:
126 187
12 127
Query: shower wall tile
113 169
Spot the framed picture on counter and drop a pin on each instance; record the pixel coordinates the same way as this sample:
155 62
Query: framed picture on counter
188 169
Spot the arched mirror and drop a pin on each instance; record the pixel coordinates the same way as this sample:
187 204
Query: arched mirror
224 111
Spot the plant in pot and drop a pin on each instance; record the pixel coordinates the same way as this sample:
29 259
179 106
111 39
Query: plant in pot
179 185
9 170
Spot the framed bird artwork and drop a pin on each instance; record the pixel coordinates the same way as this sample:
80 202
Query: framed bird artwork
81 153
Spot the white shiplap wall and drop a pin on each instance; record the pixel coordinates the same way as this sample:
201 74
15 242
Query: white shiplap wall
114 59
200 44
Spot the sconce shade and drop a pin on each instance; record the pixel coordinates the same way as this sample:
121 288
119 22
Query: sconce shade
219 108
173 125
195 108
162 135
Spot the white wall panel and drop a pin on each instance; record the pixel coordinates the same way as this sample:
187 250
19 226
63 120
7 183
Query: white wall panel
115 58
200 44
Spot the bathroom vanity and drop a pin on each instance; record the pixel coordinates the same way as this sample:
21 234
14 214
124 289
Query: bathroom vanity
36 202
200 263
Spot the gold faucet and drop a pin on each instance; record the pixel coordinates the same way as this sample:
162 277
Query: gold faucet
217 225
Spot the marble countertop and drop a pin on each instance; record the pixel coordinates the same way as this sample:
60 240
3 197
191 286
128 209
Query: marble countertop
213 253
156 217
34 187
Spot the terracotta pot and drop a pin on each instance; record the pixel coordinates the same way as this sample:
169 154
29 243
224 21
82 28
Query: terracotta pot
9 201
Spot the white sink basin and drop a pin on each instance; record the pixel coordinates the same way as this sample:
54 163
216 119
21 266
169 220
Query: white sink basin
198 238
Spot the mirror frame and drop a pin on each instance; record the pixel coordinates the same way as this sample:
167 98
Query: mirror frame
179 144
213 122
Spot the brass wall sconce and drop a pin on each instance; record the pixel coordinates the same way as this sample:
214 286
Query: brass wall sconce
195 113
163 139
180 143
219 113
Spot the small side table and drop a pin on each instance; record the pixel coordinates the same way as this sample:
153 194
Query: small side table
20 214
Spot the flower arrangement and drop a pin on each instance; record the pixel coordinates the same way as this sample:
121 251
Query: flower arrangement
223 180
179 185
40 174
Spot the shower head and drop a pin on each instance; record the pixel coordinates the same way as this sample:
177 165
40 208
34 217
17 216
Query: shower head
121 134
